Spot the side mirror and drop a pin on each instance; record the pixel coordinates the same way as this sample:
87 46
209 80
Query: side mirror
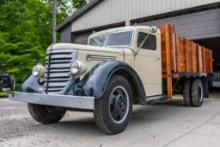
153 29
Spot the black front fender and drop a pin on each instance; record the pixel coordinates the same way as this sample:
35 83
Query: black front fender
32 85
95 82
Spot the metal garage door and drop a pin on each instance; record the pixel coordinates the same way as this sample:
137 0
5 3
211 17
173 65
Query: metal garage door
205 24
82 37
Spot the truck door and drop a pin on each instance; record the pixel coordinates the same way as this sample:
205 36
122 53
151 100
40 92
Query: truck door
148 63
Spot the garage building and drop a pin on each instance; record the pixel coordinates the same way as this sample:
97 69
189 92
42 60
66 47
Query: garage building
198 20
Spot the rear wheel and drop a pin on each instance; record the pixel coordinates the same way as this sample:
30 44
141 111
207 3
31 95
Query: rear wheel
197 93
46 114
112 112
187 98
205 85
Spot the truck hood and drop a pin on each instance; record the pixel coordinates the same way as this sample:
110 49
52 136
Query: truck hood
89 48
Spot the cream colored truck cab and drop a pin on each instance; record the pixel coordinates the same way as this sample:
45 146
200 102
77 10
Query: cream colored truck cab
146 60
117 68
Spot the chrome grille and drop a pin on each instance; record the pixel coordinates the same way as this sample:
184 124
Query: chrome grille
59 72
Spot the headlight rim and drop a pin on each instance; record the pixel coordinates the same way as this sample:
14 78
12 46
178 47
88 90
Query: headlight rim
80 66
77 67
38 71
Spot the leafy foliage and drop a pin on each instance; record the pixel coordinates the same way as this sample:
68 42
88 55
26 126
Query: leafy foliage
25 34
78 3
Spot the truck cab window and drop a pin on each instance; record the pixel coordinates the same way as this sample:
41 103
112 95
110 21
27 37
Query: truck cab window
150 43
120 39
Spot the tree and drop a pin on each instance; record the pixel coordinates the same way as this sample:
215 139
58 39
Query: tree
67 6
25 33
77 4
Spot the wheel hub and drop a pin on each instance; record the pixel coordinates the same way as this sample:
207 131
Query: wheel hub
118 104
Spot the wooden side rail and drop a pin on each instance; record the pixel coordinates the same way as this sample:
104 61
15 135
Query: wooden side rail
180 55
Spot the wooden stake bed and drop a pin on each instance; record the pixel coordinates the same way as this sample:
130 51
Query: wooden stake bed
182 56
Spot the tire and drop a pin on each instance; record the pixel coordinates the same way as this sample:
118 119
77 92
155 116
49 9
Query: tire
197 93
205 84
187 93
117 98
46 114
211 85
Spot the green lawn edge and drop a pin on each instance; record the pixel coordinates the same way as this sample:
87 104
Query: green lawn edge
3 94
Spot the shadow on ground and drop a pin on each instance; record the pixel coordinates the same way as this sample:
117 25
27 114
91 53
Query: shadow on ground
81 124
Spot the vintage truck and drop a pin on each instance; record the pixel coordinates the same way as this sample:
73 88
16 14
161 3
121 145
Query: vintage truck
7 82
118 68
216 76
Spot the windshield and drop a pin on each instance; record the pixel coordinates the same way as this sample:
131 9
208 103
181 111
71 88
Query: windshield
116 39
120 39
97 41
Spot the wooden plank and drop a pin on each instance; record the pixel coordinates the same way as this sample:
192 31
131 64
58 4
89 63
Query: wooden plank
206 62
200 59
197 58
185 57
178 53
203 59
169 61
166 44
211 61
188 56
194 57
163 46
172 49
181 62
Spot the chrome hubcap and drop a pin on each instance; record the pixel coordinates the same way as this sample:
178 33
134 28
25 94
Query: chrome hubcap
119 104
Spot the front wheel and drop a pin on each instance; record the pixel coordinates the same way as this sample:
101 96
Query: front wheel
112 112
46 114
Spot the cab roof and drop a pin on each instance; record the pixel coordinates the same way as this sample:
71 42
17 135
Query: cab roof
120 29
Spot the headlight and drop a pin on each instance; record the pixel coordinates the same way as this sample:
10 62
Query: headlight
75 68
78 68
38 71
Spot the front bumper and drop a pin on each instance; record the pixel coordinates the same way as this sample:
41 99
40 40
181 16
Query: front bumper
68 101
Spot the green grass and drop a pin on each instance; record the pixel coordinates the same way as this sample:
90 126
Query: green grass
3 94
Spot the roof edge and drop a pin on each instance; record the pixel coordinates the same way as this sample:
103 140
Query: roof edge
78 14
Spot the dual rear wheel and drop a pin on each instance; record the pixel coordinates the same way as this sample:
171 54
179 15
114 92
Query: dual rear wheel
193 92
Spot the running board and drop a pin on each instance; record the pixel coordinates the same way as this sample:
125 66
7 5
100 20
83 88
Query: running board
155 99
